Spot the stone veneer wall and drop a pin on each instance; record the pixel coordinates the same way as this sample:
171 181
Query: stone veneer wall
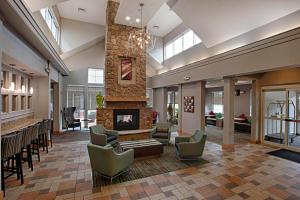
116 42
105 115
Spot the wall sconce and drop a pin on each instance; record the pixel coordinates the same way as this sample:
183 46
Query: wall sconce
31 90
12 86
23 89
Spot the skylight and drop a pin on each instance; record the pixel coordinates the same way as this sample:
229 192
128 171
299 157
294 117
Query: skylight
183 42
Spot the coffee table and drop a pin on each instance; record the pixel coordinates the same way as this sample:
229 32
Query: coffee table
143 148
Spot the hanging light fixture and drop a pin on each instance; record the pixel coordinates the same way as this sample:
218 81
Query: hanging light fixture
12 86
141 38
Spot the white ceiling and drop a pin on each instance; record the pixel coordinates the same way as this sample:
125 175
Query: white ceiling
166 19
95 10
131 8
216 21
35 5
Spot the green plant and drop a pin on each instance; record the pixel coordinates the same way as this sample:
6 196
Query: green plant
219 115
100 100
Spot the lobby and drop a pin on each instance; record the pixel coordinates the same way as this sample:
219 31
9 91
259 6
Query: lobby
137 99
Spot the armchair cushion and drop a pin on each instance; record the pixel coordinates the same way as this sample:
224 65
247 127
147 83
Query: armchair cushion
107 162
189 147
111 135
162 129
163 135
98 139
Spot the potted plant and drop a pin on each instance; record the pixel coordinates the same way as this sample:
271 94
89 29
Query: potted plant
219 120
100 100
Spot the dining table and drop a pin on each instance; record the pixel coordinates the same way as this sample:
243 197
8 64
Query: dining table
20 126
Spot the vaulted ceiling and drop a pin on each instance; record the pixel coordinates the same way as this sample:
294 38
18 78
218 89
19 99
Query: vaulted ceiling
216 21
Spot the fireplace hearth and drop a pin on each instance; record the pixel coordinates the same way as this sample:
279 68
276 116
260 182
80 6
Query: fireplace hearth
126 119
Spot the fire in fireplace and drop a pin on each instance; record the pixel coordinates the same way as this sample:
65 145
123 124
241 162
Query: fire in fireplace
126 119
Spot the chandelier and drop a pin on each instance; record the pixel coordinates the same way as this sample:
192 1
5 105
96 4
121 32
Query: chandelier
141 38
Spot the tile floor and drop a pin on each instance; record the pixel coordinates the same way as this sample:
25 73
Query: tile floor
247 173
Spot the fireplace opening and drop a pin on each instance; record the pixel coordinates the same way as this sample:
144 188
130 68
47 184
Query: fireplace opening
126 119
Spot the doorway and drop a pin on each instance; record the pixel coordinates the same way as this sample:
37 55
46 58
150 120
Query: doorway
281 116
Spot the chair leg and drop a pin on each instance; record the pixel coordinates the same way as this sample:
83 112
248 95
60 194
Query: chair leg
2 177
20 169
38 150
51 138
29 157
46 141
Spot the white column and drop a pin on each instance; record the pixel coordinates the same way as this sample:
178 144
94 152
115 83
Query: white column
255 112
228 135
180 108
160 100
163 117
1 42
202 105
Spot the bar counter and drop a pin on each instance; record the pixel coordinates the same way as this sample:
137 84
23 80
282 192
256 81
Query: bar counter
27 123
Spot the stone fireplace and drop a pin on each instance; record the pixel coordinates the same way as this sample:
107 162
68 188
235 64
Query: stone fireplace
126 119
125 96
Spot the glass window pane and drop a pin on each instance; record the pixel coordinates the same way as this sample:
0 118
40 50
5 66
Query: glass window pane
95 76
169 50
197 39
188 40
178 46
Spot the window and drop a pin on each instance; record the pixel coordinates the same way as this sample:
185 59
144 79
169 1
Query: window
169 51
75 98
181 43
218 102
95 76
51 22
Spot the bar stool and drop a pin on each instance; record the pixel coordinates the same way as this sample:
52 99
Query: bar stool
43 134
35 140
50 129
26 144
11 150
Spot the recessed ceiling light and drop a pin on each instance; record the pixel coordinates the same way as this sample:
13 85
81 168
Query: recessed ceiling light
127 18
137 20
81 10
155 27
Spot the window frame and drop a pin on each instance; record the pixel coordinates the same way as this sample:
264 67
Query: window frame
95 76
52 23
196 40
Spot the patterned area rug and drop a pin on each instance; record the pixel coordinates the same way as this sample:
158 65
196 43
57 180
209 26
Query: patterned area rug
150 166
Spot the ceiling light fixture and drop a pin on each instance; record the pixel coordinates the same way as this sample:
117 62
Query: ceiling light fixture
141 38
155 27
127 18
137 20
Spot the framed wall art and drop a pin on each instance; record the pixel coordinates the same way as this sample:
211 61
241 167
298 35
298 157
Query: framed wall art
189 104
126 69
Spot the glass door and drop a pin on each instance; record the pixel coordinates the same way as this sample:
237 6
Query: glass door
281 117
274 115
293 119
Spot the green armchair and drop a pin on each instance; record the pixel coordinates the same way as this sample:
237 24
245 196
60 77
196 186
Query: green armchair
162 132
107 163
101 136
190 147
